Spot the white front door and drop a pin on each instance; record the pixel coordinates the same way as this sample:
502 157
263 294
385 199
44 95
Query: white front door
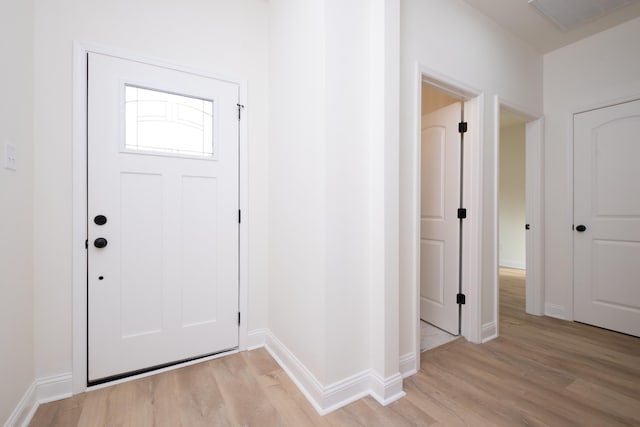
439 223
162 216
607 217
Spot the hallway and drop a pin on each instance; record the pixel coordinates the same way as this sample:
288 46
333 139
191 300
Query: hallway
540 371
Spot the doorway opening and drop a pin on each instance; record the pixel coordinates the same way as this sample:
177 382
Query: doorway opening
447 181
467 319
520 215
441 148
512 224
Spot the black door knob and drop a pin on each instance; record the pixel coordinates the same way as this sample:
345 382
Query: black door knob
581 228
100 220
100 242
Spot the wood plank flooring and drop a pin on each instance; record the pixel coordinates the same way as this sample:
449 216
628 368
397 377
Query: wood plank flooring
540 371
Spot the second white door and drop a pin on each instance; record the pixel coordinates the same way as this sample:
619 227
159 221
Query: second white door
607 217
162 216
439 223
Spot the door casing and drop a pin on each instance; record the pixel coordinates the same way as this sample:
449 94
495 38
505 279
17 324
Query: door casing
79 206
471 325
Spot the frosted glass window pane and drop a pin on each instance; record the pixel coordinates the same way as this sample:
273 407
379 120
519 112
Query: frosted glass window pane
167 123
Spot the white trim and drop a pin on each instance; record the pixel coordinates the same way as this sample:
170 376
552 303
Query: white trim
384 189
415 202
567 311
42 390
409 365
326 399
554 310
610 102
54 387
509 263
489 331
299 374
79 219
256 338
386 390
25 409
535 213
472 237
495 190
79 200
243 170
323 399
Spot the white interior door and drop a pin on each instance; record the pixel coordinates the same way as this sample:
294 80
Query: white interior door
439 224
163 196
607 204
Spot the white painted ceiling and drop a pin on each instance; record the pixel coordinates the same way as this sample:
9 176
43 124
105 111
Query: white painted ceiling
526 22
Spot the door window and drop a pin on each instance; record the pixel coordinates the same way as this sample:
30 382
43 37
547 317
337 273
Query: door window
168 123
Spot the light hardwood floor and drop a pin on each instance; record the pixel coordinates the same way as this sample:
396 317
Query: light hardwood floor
540 371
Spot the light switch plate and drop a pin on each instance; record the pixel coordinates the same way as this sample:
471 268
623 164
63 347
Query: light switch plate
10 156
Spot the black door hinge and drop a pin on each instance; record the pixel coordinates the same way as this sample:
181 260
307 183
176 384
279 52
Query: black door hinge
86 244
527 227
239 216
462 127
462 213
240 108
460 299
238 318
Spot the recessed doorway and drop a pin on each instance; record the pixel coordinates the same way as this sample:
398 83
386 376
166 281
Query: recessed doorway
441 190
512 215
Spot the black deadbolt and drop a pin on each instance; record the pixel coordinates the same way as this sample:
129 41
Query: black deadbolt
100 242
581 228
100 220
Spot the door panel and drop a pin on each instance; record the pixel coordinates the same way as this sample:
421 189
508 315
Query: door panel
607 203
439 224
163 170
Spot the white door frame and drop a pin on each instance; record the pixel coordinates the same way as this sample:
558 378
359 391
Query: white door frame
471 324
79 204
534 138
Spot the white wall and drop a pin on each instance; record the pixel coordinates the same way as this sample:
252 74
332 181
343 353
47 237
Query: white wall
297 180
347 87
456 41
597 71
16 205
217 36
512 250
318 184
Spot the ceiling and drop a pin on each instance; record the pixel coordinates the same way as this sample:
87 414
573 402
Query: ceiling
523 20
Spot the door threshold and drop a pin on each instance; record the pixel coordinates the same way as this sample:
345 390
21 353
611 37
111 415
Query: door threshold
157 369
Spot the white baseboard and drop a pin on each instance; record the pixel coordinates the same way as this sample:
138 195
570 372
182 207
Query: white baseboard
256 338
509 263
554 310
326 399
42 390
23 412
489 331
408 365
386 390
